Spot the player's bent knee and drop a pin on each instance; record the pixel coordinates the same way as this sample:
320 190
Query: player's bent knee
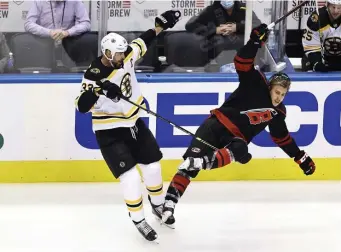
130 177
150 169
186 173
240 150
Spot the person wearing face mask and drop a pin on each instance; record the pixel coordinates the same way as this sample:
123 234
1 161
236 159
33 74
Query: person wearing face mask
323 31
254 105
222 23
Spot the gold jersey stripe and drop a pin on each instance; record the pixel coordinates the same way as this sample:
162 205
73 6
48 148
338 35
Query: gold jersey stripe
129 113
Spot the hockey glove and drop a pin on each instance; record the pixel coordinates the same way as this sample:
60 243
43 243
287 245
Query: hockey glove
111 90
320 67
259 34
167 19
305 162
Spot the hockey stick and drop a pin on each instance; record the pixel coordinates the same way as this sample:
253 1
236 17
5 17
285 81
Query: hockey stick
272 25
168 121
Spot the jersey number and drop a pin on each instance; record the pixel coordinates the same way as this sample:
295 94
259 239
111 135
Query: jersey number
307 35
87 87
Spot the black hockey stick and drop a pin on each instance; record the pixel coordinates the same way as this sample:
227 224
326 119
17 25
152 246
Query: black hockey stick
272 25
168 121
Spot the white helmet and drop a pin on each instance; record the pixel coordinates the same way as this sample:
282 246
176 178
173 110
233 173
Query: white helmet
337 2
114 43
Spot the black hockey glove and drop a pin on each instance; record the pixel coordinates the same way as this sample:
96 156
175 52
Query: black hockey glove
320 67
259 34
111 90
167 19
305 162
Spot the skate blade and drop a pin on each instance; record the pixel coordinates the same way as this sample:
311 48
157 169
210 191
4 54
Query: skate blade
165 217
171 226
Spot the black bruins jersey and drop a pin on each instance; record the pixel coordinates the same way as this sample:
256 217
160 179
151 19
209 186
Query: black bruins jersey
249 109
330 32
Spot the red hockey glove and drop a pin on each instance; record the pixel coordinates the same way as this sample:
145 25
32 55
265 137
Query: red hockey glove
305 162
259 34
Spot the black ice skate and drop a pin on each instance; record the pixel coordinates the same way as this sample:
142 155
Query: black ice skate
146 230
168 211
157 211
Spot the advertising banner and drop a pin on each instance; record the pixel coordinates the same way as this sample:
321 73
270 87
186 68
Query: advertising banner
139 15
45 138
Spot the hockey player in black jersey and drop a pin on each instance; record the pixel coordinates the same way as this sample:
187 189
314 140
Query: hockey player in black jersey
323 31
121 134
255 104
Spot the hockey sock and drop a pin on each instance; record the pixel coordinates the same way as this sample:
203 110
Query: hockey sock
178 186
153 180
130 182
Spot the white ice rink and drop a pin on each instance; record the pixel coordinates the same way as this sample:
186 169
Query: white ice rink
212 217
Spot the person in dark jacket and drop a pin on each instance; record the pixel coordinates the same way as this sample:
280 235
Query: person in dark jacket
223 24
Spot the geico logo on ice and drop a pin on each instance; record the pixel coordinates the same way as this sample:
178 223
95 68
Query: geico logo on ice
304 134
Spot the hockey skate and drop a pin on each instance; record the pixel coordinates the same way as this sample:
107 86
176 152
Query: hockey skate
168 211
146 230
157 211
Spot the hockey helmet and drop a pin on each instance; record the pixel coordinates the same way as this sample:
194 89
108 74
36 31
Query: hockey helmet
336 2
281 79
227 4
114 43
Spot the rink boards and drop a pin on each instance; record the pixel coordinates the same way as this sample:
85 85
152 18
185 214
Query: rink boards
46 139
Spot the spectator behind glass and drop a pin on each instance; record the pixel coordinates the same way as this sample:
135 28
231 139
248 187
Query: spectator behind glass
64 21
4 53
223 24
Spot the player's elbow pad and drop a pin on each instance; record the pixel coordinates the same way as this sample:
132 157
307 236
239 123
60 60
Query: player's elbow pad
86 101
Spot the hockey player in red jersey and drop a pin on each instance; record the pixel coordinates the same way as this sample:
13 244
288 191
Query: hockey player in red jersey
255 104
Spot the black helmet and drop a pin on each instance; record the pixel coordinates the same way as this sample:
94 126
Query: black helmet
281 79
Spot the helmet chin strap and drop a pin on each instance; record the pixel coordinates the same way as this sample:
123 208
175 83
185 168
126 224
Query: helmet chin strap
110 60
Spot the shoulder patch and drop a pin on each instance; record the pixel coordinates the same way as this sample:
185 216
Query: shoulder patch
95 70
313 22
314 18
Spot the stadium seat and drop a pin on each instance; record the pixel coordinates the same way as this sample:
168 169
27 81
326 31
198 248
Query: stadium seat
78 53
184 52
32 53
